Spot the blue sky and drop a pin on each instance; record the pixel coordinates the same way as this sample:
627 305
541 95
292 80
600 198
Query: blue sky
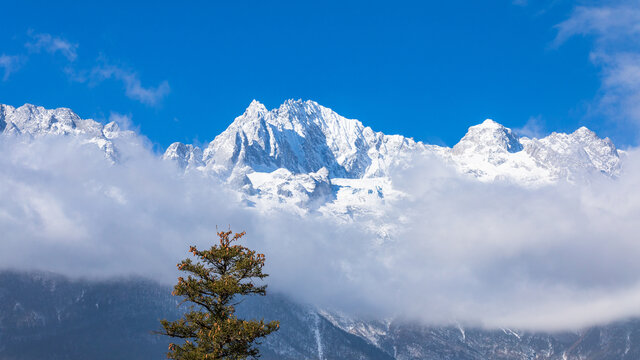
425 69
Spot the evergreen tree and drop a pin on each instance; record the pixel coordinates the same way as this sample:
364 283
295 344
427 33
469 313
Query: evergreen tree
216 281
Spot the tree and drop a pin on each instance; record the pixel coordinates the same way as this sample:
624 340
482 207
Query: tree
215 283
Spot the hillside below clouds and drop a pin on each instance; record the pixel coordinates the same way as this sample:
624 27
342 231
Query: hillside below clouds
305 156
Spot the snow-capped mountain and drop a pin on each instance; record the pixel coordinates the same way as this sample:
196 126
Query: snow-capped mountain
305 156
275 157
490 151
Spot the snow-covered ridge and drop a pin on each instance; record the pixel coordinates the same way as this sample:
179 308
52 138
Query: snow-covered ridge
490 151
36 121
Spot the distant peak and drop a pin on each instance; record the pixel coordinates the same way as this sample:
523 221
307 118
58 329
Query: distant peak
255 107
584 131
489 123
29 106
489 126
298 104
293 102
490 135
112 126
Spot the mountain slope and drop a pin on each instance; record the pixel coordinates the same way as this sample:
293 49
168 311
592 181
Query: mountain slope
48 316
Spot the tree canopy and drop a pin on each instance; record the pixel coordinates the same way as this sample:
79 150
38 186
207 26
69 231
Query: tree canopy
215 284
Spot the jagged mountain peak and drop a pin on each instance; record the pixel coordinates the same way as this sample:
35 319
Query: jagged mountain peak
488 137
584 131
488 124
187 156
298 115
301 136
256 108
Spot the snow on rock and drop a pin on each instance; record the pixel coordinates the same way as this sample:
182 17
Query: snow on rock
570 155
282 188
186 156
491 152
36 121
303 137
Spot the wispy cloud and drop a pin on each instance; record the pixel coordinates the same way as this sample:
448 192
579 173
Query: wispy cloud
52 44
123 120
149 95
533 128
608 23
10 64
614 28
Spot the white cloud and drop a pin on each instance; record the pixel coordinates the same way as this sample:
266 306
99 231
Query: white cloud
533 128
499 255
615 30
10 64
607 22
133 86
123 120
52 44
493 255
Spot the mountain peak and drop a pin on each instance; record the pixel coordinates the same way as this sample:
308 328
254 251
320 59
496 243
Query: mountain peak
299 110
489 124
303 137
584 132
185 155
489 136
255 108
293 103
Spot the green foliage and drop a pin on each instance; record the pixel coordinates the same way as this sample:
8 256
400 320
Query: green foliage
215 282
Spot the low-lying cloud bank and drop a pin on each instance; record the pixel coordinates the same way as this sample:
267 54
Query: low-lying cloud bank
494 255
499 255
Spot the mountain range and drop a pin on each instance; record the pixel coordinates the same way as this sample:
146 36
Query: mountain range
304 156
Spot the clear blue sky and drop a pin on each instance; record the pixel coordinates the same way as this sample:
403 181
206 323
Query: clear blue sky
184 70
